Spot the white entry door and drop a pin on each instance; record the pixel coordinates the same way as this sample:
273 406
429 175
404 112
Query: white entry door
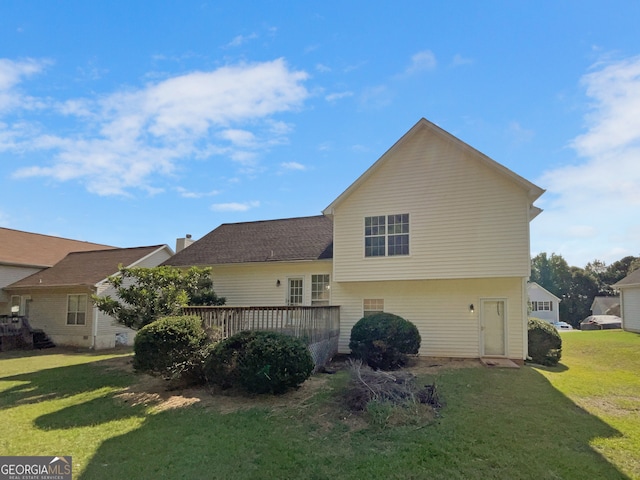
295 292
493 325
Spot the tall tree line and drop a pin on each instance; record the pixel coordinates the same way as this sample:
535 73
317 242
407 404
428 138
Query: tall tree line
576 287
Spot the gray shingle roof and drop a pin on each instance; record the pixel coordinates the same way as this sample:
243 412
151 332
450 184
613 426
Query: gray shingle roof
632 279
85 268
303 238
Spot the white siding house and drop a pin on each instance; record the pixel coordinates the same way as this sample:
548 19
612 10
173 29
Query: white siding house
629 288
542 303
434 231
59 297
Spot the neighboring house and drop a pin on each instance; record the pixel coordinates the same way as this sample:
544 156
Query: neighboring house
605 306
60 296
542 303
630 301
23 254
434 231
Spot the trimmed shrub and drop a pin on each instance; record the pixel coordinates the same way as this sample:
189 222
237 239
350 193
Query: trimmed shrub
173 347
384 340
259 362
545 343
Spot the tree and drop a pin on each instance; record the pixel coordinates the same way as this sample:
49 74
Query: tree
551 273
146 294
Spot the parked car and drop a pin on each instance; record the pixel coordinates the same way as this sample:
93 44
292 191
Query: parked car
562 326
601 322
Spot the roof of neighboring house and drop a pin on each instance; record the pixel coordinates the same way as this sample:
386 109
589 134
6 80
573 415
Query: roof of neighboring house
633 279
540 287
37 250
605 302
86 268
533 190
289 239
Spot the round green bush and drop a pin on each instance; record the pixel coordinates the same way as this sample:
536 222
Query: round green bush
384 340
172 347
259 362
545 343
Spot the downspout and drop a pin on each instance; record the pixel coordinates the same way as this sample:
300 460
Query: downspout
525 315
94 327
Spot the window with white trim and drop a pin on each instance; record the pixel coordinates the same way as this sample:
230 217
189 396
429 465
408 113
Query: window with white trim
76 309
371 306
320 289
542 306
386 235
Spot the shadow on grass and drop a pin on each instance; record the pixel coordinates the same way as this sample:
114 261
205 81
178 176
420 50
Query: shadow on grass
496 424
61 382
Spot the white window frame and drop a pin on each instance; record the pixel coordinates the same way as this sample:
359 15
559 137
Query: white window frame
77 311
371 306
321 289
380 230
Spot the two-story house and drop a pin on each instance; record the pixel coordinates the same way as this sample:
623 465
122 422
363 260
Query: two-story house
433 231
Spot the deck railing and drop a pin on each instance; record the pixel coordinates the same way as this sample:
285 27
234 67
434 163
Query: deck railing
318 327
10 325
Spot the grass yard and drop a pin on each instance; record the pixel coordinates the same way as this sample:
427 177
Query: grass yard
579 420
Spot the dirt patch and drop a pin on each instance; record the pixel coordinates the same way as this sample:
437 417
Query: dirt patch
154 392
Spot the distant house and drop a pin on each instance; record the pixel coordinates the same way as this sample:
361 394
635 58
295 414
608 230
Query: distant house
606 306
434 231
23 254
59 297
630 301
542 303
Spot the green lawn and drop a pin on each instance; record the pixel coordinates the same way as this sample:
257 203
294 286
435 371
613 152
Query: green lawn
579 420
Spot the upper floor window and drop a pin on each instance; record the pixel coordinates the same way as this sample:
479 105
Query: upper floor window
386 235
76 309
320 289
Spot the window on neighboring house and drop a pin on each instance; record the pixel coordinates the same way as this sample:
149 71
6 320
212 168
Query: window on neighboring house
542 306
76 309
386 235
371 306
320 289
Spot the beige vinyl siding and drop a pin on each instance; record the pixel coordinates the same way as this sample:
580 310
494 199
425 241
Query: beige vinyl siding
8 275
631 308
154 259
48 311
466 220
108 328
255 284
440 311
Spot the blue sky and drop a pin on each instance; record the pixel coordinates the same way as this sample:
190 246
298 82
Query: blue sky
134 123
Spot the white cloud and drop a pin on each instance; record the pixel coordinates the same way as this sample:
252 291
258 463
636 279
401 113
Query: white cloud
459 60
234 207
422 61
292 166
134 135
592 207
332 97
11 74
189 194
242 39
519 134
